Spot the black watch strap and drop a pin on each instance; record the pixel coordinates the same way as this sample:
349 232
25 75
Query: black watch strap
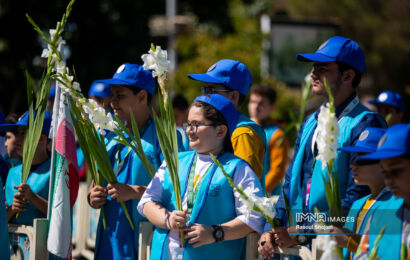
218 233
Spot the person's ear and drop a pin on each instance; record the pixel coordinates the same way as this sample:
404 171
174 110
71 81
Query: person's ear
221 131
348 76
235 97
142 96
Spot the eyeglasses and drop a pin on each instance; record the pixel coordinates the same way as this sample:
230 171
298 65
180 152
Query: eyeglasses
194 126
206 90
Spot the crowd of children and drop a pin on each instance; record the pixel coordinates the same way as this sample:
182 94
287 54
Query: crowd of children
372 165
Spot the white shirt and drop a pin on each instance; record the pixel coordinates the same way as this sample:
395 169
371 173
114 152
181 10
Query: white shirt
244 176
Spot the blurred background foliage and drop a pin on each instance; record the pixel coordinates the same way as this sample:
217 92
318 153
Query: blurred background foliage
103 34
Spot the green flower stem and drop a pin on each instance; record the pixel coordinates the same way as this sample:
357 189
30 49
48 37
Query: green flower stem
133 140
272 221
167 137
95 153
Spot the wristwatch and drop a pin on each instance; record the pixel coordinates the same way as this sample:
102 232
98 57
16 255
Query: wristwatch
218 233
302 239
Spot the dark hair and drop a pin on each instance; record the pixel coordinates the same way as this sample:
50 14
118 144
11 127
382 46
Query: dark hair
11 118
213 115
265 91
135 90
241 98
357 75
180 102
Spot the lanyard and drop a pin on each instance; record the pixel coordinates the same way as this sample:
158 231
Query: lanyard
194 183
120 163
381 193
345 111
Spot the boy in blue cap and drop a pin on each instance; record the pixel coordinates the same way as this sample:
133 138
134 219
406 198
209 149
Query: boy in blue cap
365 172
391 106
233 80
101 93
30 200
132 88
394 154
341 62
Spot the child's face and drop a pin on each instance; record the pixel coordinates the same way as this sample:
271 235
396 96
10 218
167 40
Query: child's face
397 176
385 110
367 174
19 140
204 138
122 100
259 107
11 145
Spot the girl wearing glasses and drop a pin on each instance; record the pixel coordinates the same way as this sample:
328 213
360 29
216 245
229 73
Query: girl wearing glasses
213 225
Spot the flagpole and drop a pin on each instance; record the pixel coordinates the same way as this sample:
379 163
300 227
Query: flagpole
53 133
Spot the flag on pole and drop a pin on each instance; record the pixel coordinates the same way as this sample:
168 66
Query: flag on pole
64 178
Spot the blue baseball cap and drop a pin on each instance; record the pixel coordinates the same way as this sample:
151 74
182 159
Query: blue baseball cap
395 142
339 49
389 98
132 75
367 142
23 122
223 105
52 92
231 73
99 90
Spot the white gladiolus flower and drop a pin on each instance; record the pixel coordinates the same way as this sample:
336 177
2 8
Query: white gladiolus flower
45 53
328 131
308 78
328 246
52 33
157 61
267 205
76 86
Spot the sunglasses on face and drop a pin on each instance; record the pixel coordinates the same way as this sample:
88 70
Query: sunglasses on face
364 162
206 90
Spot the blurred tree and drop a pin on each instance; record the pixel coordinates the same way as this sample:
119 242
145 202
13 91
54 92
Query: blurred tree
382 28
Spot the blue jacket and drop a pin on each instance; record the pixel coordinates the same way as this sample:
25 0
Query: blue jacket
4 230
301 171
39 182
118 240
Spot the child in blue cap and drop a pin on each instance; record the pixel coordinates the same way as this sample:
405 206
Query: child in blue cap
30 200
394 154
365 172
232 79
214 227
100 92
132 88
391 106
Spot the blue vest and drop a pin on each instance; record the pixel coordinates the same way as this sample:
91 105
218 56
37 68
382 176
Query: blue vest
247 122
382 202
317 198
269 132
39 182
118 239
214 204
392 220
